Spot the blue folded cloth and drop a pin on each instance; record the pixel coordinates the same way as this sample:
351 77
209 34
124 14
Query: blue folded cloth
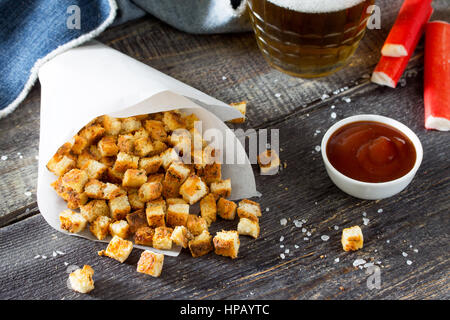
32 32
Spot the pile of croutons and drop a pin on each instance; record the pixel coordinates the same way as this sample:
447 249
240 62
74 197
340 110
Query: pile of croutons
128 177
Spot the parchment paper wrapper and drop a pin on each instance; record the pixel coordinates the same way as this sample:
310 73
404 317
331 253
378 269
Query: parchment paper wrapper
93 80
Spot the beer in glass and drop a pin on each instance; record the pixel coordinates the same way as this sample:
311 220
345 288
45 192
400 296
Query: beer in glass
308 38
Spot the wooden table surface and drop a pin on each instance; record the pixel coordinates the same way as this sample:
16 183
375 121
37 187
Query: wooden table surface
414 223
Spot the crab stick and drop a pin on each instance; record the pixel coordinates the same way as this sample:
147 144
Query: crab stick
437 76
390 69
407 29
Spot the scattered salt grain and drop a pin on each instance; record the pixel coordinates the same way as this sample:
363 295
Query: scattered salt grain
380 211
416 250
224 78
36 157
286 251
66 264
317 148
37 257
44 257
298 224
333 115
283 221
282 256
388 241
364 214
308 234
346 99
267 209
304 230
277 95
336 260
325 237
296 246
408 262
281 238
4 158
333 106
336 228
60 252
359 262
366 221
54 253
27 193
306 238
304 220
324 96
281 246
368 264
404 254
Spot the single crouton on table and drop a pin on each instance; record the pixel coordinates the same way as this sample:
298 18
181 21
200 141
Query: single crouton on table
226 209
352 238
72 221
248 227
100 227
181 236
161 238
150 263
81 280
226 243
201 244
118 249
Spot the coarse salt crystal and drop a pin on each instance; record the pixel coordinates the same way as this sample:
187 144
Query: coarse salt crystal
60 252
4 158
388 241
267 209
277 95
224 78
306 238
416 250
282 256
44 257
298 224
281 238
324 96
408 262
404 254
364 214
308 234
336 260
66 264
27 193
281 246
296 246
348 100
380 211
283 221
336 228
304 230
366 221
286 251
304 220
333 115
325 237
54 254
333 106
317 148
37 257
359 262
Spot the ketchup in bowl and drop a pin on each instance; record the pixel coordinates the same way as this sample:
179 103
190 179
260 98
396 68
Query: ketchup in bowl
370 151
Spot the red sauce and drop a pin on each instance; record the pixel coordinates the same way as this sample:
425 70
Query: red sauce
370 151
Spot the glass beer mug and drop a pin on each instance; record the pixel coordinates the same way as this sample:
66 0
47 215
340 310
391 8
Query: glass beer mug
308 38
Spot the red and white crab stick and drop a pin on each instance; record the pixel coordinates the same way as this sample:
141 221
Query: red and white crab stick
390 69
407 29
437 76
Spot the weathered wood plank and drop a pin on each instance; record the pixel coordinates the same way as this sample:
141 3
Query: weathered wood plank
415 219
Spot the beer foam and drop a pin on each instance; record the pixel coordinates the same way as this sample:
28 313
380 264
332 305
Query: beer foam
316 6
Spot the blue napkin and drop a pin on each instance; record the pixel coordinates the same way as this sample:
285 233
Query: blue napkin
34 31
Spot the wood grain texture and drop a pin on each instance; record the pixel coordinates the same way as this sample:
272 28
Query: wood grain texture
418 217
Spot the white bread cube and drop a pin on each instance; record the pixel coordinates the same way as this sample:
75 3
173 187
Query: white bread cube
155 216
173 120
78 144
81 280
201 244
119 207
94 169
125 161
150 191
118 249
226 243
151 263
161 238
62 165
134 200
75 180
150 164
221 188
72 221
94 189
92 132
269 162
136 220
94 209
143 146
111 191
130 124
226 209
119 228
352 238
144 236
125 143
169 156
134 178
170 201
247 227
181 236
249 209
196 224
177 215
156 130
112 125
100 227
193 189
208 208
107 146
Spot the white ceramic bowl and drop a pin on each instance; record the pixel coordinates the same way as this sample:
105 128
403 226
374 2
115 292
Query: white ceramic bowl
367 190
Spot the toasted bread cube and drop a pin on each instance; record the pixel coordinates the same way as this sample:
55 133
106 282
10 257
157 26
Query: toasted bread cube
159 177
119 228
142 147
79 144
226 243
75 200
134 178
100 227
75 180
175 175
269 162
180 139
94 169
173 120
193 189
158 148
119 207
118 249
242 108
170 201
92 133
177 215
211 173
130 124
125 161
155 216
137 219
61 166
158 202
94 209
150 263
107 146
156 130
94 189
221 188
352 238
226 209
83 158
196 224
112 125
72 221
141 133
111 191
201 244
248 227
208 208
114 176
134 200
144 236
125 143
150 191
151 164
190 120
81 280
181 236
249 209
169 156
93 150
161 238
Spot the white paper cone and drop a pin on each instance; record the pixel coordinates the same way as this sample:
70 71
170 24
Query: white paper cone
93 80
